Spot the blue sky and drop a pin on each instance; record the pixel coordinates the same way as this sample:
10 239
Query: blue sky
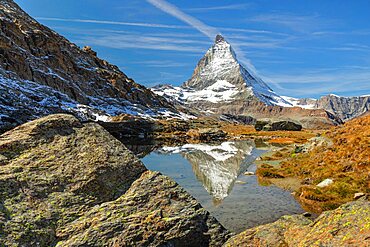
300 48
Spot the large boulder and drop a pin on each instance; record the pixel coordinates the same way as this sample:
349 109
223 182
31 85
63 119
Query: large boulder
206 134
240 119
286 125
52 170
276 126
57 170
155 211
348 225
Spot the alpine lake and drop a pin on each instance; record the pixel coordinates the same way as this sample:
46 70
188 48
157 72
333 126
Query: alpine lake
221 177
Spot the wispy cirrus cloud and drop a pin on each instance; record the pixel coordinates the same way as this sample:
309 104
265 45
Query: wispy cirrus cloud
136 24
223 7
352 47
209 31
160 63
139 41
153 25
342 80
299 23
171 9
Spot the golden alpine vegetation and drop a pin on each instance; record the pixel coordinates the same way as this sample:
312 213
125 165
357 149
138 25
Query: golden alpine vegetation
342 155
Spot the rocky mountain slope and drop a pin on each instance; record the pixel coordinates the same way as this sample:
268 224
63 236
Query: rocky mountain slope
222 85
64 183
41 72
345 108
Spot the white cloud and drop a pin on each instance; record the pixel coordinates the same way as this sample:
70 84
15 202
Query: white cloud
209 31
171 9
136 24
139 41
160 63
299 23
323 81
223 7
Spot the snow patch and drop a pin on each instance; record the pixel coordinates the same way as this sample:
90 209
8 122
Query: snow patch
220 91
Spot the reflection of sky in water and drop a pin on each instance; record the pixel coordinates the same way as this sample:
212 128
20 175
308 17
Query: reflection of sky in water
209 173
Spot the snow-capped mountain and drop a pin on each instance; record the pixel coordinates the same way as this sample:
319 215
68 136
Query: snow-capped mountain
221 84
220 78
41 73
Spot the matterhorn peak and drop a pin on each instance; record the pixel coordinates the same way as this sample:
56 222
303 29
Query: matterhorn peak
220 71
219 38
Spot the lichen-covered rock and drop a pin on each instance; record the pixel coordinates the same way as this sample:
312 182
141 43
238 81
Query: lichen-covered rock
52 170
348 225
155 211
57 170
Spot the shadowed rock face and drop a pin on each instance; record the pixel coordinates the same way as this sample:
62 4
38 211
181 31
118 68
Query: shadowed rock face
346 226
50 75
56 170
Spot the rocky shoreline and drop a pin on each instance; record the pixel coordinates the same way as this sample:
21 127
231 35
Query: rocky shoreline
71 184
67 183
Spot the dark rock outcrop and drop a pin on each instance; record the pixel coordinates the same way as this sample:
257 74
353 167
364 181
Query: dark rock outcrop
56 170
276 126
346 226
260 125
239 119
286 125
206 134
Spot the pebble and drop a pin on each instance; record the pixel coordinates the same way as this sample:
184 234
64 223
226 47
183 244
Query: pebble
358 195
248 173
240 182
325 183
307 214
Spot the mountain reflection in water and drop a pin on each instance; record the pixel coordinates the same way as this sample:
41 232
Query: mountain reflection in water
213 174
217 167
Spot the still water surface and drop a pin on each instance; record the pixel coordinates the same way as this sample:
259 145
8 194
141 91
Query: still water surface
214 175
